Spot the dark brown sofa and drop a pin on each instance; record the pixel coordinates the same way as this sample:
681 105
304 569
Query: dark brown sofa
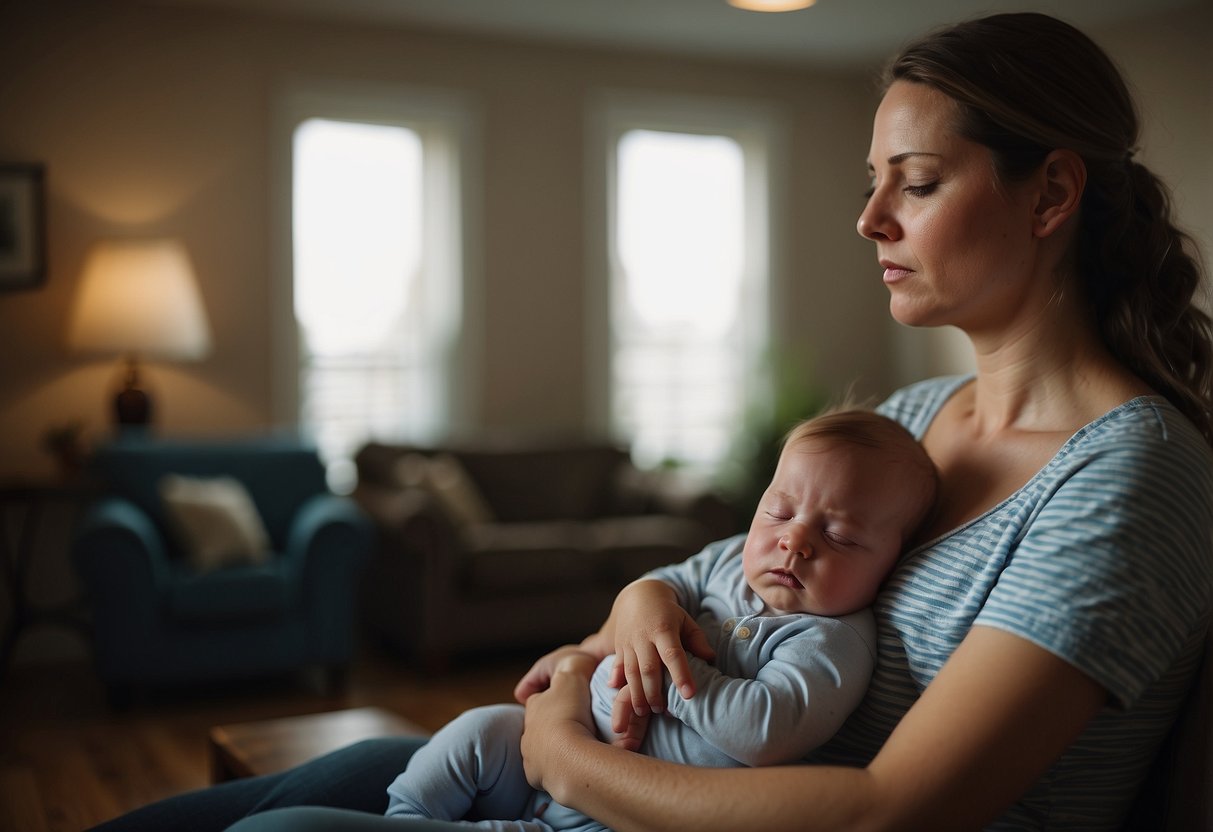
521 544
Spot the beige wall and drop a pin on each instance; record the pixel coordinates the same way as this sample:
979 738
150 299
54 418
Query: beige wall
159 121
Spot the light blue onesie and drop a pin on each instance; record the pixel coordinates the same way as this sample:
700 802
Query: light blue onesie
780 686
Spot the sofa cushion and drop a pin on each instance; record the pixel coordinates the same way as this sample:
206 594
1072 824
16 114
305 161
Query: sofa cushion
236 593
527 557
550 483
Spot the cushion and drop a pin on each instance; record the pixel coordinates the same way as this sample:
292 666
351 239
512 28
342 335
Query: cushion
241 594
449 483
214 520
528 558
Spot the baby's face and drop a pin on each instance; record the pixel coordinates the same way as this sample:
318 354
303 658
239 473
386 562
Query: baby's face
830 527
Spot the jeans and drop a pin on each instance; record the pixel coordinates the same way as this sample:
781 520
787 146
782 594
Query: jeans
350 783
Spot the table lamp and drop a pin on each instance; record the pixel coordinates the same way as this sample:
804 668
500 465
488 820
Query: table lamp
138 299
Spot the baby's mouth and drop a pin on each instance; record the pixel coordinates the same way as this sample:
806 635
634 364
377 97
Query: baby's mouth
786 578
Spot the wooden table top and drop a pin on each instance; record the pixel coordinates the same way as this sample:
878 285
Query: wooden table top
250 748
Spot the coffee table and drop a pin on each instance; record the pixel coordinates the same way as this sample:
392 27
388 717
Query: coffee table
247 749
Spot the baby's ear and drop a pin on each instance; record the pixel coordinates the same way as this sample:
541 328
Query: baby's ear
1063 178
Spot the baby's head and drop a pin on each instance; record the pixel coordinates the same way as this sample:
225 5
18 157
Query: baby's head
851 488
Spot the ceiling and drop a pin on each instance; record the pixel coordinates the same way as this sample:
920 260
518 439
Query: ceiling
834 32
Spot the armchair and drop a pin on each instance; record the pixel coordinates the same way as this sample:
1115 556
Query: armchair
162 617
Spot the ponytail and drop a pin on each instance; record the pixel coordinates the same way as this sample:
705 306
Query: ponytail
1026 84
1141 275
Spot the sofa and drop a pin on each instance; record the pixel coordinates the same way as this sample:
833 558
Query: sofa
516 543
209 561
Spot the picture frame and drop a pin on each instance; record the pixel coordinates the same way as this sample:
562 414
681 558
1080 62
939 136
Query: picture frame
22 226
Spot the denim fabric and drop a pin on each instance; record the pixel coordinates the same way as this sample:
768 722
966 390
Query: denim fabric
353 778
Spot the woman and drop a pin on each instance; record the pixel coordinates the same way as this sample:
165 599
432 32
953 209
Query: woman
1037 642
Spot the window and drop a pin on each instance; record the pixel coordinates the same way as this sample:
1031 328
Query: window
375 278
687 317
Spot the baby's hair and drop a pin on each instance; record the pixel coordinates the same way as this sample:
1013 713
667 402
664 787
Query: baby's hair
868 429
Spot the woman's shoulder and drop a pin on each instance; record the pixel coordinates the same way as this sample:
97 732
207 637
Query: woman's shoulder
916 405
1146 433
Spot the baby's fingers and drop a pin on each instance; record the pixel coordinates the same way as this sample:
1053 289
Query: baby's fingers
646 678
622 713
629 729
674 660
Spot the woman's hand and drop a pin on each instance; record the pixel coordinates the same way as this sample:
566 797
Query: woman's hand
652 634
539 677
559 714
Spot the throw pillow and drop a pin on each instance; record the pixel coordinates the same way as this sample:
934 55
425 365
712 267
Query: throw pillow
448 482
215 520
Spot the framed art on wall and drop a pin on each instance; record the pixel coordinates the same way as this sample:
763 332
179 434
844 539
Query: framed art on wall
22 226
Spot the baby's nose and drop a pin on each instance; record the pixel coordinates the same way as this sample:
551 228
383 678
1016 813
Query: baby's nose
797 544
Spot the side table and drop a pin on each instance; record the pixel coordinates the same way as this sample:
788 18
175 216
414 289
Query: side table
246 749
23 508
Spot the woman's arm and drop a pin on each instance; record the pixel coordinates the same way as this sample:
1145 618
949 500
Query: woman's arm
999 712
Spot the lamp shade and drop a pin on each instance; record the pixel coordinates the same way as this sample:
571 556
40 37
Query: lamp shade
139 297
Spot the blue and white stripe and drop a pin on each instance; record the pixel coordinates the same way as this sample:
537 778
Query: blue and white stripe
1104 558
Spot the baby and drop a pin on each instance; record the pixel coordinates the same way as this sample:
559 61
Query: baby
784 606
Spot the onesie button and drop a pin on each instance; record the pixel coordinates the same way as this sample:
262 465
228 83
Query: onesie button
729 625
743 633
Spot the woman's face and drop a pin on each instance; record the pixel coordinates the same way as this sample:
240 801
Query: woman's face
956 244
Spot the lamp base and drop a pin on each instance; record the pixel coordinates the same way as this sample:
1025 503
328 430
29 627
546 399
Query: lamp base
132 406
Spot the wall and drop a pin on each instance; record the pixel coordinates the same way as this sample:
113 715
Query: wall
155 120
158 120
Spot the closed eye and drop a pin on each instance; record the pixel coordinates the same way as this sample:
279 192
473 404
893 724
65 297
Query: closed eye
839 540
920 190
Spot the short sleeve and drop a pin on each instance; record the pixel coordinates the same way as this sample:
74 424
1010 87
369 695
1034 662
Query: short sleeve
1113 572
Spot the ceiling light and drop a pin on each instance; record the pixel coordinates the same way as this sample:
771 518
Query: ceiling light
771 5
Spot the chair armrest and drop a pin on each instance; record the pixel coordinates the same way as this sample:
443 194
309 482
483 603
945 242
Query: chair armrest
116 545
327 546
331 527
120 557
409 584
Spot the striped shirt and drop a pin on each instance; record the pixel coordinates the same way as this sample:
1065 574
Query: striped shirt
1103 558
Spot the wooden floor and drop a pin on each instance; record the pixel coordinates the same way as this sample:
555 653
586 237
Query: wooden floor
67 761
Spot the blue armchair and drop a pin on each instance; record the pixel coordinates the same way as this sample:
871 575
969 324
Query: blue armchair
159 620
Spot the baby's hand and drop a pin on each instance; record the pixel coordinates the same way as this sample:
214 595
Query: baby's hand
629 728
653 634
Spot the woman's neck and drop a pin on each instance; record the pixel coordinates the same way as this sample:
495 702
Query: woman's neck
1048 375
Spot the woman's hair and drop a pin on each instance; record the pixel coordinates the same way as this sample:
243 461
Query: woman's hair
1027 84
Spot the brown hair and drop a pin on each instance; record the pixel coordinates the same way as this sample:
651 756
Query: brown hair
1027 84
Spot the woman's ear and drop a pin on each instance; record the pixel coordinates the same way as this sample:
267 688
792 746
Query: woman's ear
1064 177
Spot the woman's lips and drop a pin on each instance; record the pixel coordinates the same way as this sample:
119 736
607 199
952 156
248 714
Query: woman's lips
893 271
893 274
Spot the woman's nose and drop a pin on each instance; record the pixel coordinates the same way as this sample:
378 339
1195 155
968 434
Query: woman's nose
874 222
